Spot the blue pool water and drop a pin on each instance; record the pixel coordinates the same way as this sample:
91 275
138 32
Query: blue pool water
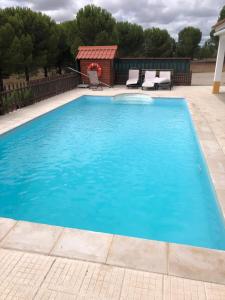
125 167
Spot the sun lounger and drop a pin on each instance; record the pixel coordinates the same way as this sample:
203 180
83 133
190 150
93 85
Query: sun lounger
133 78
164 79
94 82
149 80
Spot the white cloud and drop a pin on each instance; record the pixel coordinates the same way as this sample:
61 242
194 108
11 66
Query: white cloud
172 15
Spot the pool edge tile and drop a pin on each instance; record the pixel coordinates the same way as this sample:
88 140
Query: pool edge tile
32 237
221 199
213 154
178 260
139 254
196 263
6 225
83 244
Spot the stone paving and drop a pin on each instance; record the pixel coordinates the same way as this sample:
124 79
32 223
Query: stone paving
134 253
39 261
34 276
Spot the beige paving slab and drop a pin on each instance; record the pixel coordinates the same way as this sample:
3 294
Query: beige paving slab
101 282
53 295
32 237
216 165
65 276
197 263
138 254
205 135
175 288
142 285
24 279
218 180
8 261
5 226
204 128
83 244
212 149
214 291
35 276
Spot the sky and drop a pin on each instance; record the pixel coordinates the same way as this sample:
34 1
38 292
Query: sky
172 15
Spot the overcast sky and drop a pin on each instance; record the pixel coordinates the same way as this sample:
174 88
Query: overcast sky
170 14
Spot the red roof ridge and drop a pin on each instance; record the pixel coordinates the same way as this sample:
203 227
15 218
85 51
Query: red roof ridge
97 52
113 47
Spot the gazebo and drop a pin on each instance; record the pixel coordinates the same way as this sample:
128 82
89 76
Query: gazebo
220 32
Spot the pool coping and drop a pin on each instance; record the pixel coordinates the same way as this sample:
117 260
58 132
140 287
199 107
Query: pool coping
160 257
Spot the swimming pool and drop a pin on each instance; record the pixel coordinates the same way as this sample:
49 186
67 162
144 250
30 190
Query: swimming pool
111 165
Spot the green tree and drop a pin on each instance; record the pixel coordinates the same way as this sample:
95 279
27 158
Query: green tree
45 38
7 42
21 54
29 41
51 47
36 43
222 14
95 26
72 36
188 41
64 55
130 39
22 47
158 43
207 50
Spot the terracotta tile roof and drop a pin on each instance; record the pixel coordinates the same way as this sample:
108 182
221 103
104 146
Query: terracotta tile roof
96 52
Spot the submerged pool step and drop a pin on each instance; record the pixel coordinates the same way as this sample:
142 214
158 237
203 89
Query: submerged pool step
133 99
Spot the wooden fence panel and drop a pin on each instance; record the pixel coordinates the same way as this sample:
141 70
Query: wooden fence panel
17 96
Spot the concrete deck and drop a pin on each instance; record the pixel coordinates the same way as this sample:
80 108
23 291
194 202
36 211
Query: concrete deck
103 266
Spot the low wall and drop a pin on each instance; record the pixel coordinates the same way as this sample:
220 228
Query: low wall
180 68
204 66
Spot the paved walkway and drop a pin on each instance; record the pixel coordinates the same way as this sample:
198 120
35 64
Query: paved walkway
34 276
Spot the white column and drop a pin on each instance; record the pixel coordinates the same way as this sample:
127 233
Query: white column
219 65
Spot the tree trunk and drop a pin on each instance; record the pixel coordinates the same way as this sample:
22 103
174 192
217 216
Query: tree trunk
1 82
46 71
27 75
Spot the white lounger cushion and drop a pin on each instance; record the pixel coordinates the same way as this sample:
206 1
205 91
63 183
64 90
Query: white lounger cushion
164 77
149 80
148 84
133 77
131 81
